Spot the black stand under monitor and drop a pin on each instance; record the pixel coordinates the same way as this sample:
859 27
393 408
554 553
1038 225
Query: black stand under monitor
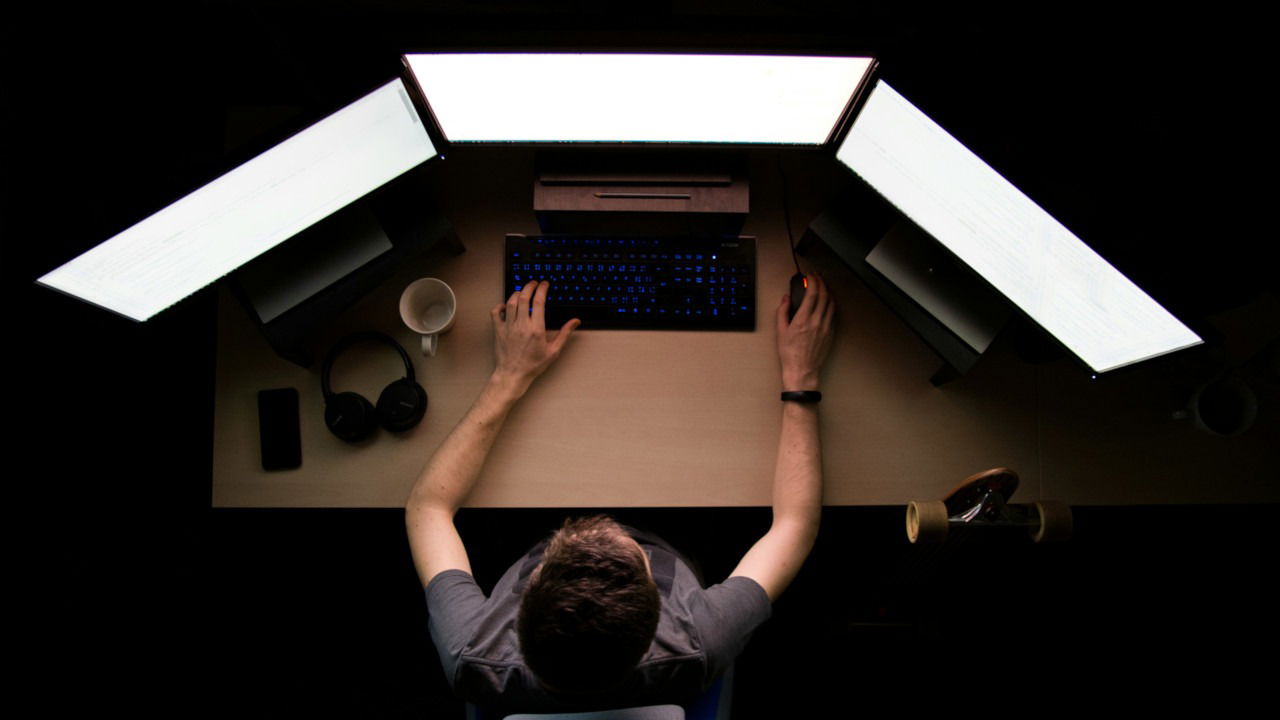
955 313
298 287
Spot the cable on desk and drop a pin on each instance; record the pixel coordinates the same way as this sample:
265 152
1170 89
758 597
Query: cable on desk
786 212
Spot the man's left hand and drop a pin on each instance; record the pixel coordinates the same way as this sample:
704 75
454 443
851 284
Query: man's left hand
523 347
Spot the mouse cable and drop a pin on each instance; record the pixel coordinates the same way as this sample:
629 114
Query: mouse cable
786 212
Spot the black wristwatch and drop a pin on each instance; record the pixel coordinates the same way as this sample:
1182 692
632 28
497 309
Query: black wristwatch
801 396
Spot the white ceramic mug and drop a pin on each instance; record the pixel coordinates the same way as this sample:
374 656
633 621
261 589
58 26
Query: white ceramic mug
1225 407
428 307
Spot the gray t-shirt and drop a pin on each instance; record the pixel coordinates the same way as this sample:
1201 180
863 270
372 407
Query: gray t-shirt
700 632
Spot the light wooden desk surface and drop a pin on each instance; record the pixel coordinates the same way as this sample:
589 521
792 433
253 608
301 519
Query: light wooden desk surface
660 419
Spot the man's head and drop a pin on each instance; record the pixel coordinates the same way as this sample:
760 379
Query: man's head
590 609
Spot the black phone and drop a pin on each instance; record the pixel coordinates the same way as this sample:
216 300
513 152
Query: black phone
278 429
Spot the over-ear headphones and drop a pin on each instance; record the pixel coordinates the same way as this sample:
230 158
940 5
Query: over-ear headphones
351 417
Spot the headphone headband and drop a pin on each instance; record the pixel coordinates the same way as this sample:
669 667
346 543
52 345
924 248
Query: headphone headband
353 339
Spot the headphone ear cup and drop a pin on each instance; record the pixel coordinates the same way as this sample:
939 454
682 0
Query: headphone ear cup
402 405
350 416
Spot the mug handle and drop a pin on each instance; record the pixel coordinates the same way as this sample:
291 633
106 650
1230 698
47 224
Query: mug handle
430 343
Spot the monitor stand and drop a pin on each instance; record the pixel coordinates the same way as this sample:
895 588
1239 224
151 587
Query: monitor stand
315 259
641 191
298 287
939 298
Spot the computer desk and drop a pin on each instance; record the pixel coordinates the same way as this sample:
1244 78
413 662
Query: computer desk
664 419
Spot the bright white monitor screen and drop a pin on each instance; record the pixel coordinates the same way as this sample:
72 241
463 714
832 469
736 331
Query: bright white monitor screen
624 98
251 209
1000 233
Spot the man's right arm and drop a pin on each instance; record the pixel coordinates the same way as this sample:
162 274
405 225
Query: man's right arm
803 343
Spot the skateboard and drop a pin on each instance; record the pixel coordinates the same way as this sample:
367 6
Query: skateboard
982 501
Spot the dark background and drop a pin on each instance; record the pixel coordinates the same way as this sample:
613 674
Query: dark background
1141 131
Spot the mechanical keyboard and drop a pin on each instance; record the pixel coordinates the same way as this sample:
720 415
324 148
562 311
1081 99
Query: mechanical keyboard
639 283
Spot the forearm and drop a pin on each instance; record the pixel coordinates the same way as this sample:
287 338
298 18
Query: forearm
774 559
451 473
797 482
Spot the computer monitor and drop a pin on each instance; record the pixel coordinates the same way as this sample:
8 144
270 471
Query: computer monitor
253 208
1006 238
638 98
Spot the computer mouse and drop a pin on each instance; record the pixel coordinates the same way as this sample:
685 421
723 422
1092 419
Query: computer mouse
799 283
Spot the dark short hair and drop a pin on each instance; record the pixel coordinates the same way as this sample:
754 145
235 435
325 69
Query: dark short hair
590 610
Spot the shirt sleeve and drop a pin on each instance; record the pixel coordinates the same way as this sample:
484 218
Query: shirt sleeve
730 613
454 602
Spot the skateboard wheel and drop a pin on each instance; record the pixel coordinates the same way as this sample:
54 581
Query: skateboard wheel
1055 522
927 522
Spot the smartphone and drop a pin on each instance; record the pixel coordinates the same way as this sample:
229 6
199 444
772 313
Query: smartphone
278 429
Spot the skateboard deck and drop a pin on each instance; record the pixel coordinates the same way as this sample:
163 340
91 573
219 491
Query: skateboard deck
983 501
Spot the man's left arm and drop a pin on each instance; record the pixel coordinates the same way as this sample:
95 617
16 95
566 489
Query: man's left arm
524 351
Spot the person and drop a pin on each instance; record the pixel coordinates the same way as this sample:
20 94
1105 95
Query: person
599 615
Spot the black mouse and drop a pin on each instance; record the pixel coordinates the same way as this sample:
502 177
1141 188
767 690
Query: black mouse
798 285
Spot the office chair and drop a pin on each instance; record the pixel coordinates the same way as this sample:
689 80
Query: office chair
714 704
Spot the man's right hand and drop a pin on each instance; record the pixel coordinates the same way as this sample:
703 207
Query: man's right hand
805 340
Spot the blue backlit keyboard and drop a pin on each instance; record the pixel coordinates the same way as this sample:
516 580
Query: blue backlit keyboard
639 283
